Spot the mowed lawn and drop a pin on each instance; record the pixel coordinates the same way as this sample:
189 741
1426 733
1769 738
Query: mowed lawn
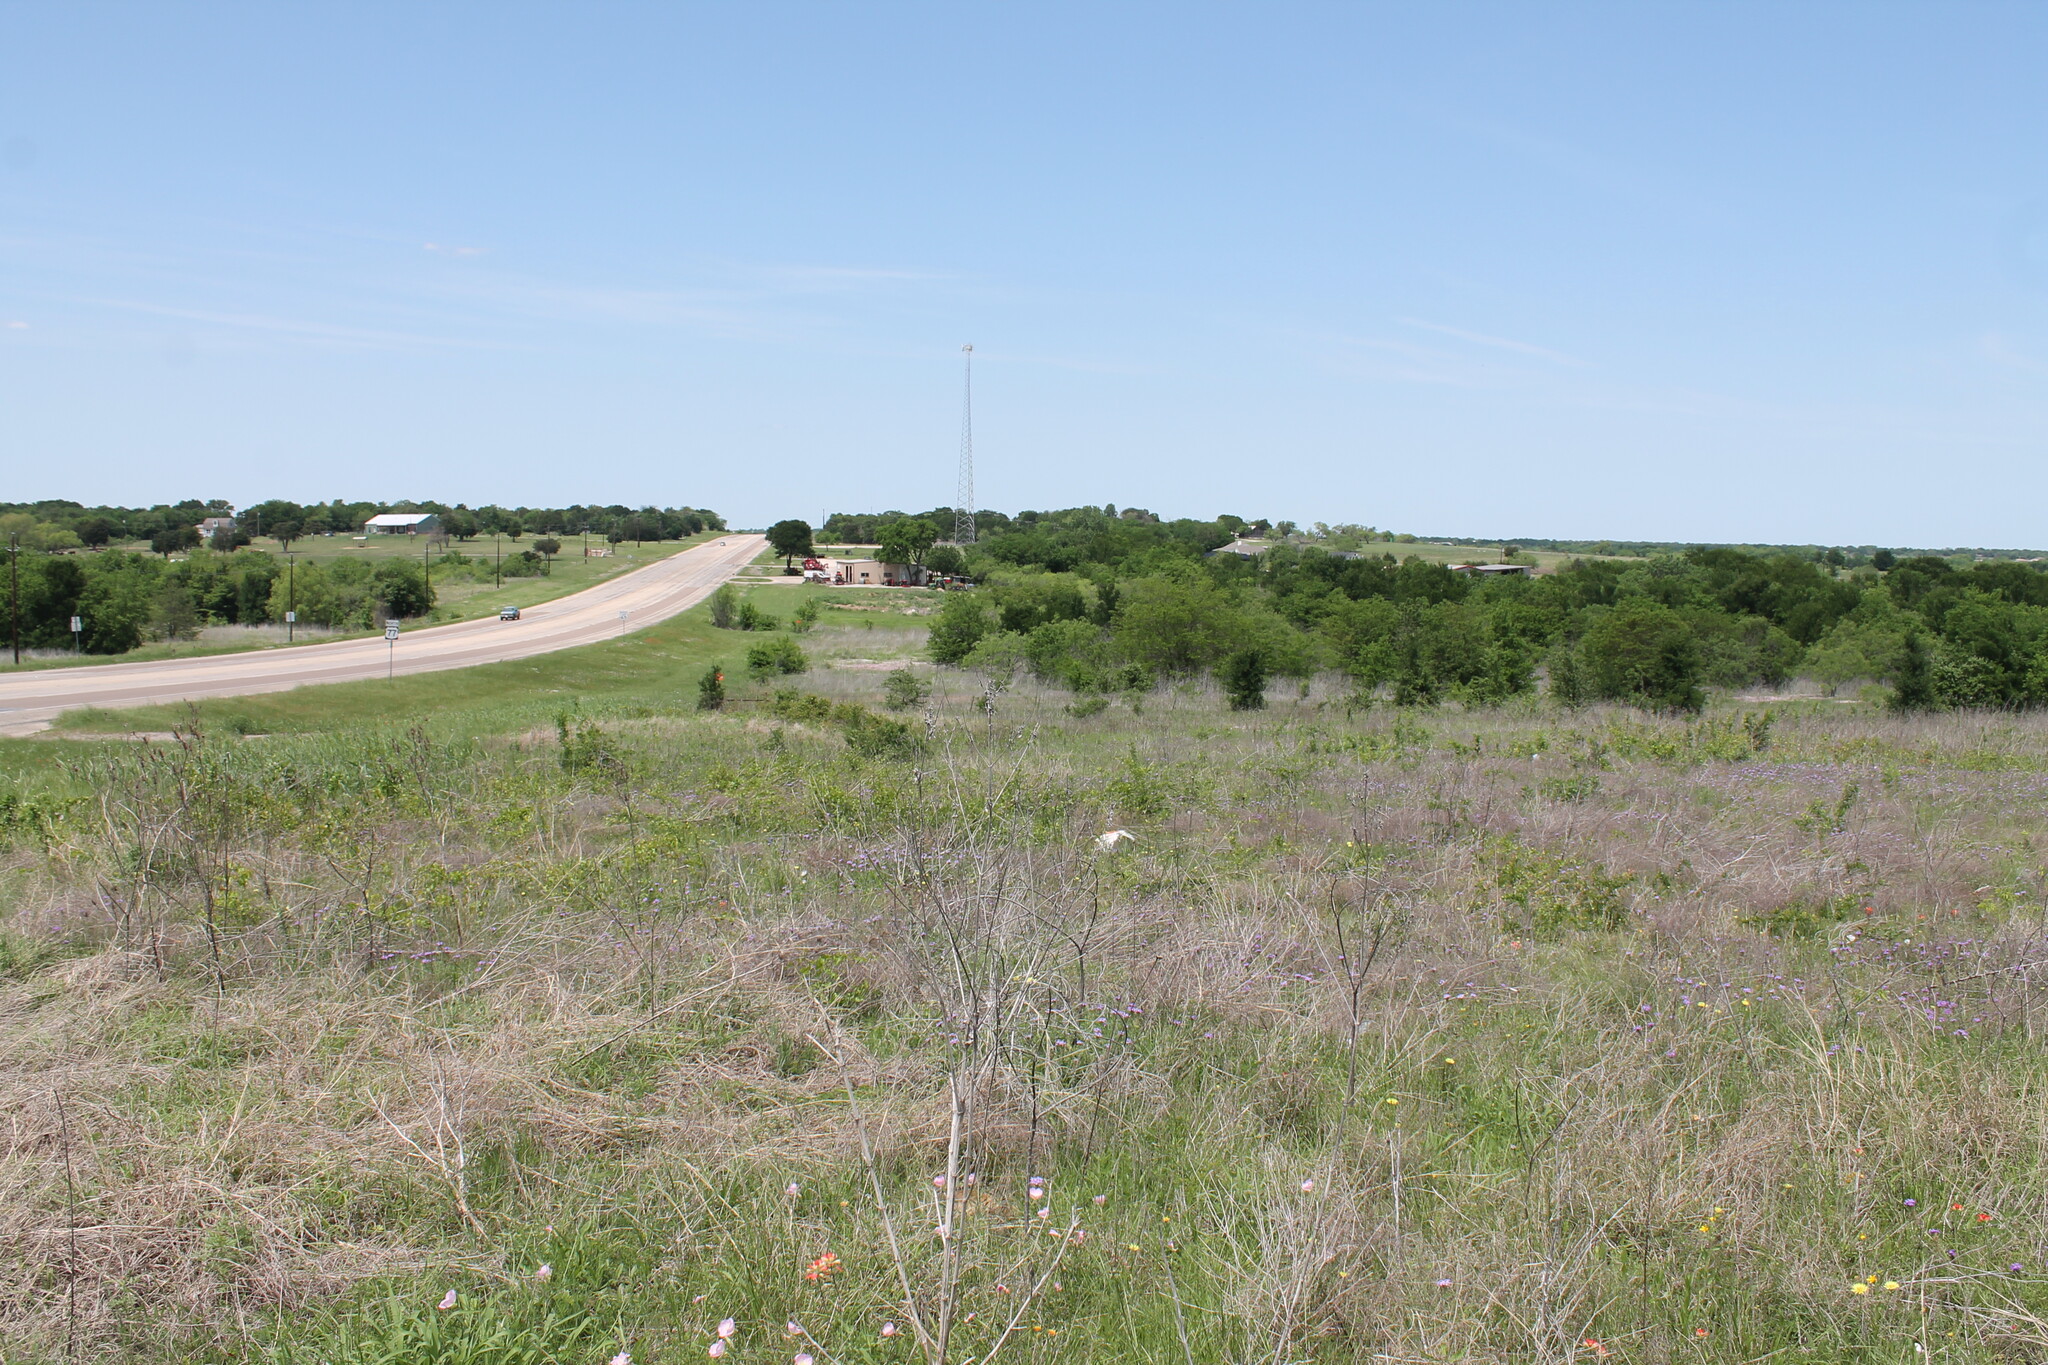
655 668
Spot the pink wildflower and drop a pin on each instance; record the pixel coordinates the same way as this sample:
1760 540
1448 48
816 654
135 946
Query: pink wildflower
447 1303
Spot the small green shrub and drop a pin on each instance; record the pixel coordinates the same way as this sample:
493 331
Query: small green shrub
725 606
1544 893
1572 790
778 656
1804 919
711 689
806 708
903 689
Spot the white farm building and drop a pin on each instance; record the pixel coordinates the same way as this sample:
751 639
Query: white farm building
402 524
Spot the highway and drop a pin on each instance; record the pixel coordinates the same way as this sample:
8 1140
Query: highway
630 602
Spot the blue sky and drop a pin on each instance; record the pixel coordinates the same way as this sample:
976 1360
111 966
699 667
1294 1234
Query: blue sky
1717 272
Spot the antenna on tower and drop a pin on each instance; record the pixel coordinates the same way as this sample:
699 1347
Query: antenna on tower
963 497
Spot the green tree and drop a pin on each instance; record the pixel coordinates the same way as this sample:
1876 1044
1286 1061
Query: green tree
903 689
947 560
403 588
805 616
173 615
1644 653
547 547
711 689
1913 684
958 628
907 541
1244 676
725 606
789 539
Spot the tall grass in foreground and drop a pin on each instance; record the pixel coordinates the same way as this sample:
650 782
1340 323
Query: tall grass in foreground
1522 1036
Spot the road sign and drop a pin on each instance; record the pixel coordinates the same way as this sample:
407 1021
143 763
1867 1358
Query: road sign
77 624
391 630
291 618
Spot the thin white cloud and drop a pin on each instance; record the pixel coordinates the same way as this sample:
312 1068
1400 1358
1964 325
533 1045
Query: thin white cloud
1996 349
440 250
16 325
326 332
1502 343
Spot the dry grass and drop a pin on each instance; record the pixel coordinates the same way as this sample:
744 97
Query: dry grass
1666 1030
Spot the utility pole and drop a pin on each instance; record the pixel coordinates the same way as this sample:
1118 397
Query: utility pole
14 580
291 594
963 497
498 572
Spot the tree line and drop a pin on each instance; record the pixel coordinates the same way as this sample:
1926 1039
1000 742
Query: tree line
168 528
1099 600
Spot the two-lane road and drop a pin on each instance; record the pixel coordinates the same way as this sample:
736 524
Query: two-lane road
627 603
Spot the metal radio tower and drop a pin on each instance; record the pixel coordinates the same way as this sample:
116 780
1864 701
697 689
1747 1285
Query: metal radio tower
963 498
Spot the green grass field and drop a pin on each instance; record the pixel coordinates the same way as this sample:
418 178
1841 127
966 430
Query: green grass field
1453 1036
458 598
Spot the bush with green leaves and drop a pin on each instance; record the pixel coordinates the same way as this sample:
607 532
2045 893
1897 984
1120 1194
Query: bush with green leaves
711 688
724 603
1244 676
781 655
903 689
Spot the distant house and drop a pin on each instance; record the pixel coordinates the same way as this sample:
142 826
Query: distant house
875 573
1247 548
1493 570
402 524
213 524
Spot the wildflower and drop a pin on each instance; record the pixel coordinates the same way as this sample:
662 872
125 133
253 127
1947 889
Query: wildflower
1891 1284
622 1358
822 1267
1859 1289
717 1349
1983 1217
1596 1346
1308 1187
1912 1203
1100 1200
1699 1331
447 1303
1045 1213
802 1358
938 1182
793 1328
1443 1284
888 1329
1955 1208
2016 1267
1038 1194
1392 1100
727 1328
793 1190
